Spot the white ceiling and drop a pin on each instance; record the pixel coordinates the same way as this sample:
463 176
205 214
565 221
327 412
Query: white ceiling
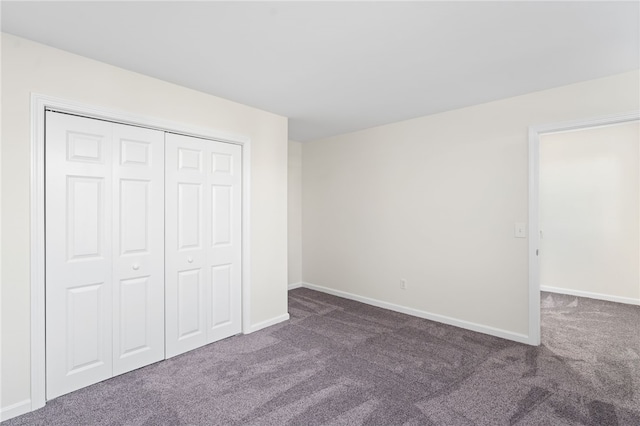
336 67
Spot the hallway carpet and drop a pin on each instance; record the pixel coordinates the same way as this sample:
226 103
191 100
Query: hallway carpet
340 362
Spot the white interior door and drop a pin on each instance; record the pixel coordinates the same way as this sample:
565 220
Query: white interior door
104 250
185 252
224 244
138 247
79 294
203 242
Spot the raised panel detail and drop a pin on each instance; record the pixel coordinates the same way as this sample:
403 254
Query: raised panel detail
221 214
134 316
221 163
84 147
189 201
84 217
221 294
189 159
188 303
134 153
134 215
84 327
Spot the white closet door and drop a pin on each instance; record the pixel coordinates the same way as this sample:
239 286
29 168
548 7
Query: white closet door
185 252
203 242
224 243
138 247
104 250
78 252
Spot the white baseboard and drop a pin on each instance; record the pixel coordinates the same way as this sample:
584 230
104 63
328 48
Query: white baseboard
294 285
590 295
268 323
15 410
516 337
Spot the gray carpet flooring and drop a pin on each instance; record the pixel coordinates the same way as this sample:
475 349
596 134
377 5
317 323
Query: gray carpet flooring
339 362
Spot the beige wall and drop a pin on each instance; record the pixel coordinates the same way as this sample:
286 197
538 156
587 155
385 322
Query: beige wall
590 212
29 67
434 201
295 212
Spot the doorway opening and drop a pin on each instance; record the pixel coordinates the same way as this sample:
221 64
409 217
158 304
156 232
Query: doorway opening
536 133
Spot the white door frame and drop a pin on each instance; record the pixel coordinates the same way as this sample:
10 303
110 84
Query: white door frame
40 103
534 203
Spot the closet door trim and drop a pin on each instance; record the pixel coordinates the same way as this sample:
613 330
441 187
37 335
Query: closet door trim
41 103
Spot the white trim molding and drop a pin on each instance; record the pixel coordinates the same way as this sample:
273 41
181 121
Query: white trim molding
534 202
293 286
467 325
268 323
41 103
590 295
15 410
246 234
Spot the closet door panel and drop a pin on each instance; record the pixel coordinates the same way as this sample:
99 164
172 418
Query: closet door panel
78 263
138 249
224 243
203 250
185 252
104 250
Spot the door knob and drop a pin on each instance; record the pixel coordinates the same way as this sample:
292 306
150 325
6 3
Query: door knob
135 266
190 259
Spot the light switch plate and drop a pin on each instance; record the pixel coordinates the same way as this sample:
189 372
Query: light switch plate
520 230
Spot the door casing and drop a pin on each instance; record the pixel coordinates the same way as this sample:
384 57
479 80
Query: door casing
39 104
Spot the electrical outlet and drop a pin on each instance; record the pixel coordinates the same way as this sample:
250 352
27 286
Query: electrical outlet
403 284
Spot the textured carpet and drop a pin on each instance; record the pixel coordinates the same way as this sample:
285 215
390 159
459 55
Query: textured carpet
339 362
